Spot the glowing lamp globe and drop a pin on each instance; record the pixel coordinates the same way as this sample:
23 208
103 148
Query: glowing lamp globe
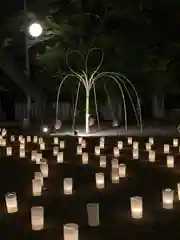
45 129
35 30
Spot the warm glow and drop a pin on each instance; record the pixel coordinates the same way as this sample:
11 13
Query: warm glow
35 29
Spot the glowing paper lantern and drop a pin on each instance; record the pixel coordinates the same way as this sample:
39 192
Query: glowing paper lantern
55 151
4 132
120 145
42 146
22 146
35 139
101 144
85 158
122 170
166 148
36 187
3 142
12 138
21 153
38 158
22 141
71 231
129 140
37 218
100 180
79 150
93 214
9 151
83 143
11 202
115 163
168 198
175 142
20 138
116 152
151 140
136 207
148 147
60 157
178 187
39 175
152 156
44 169
115 175
28 138
170 161
97 150
135 153
103 161
33 155
68 186
61 144
135 145
56 140
80 140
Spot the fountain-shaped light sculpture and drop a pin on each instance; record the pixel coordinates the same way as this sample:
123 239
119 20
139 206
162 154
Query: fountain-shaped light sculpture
89 81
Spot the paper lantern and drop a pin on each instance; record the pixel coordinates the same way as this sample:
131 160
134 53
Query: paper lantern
28 138
56 140
38 158
101 144
68 186
22 146
97 150
178 187
115 163
120 145
115 175
36 187
168 198
136 207
44 169
100 180
122 170
79 150
102 161
3 142
22 141
9 151
102 139
39 175
91 121
61 144
71 231
37 218
42 146
170 161
85 158
135 153
83 143
93 214
135 145
166 148
20 138
175 142
60 157
4 132
55 151
21 153
151 140
33 155
116 152
12 138
129 140
35 139
148 147
11 202
152 156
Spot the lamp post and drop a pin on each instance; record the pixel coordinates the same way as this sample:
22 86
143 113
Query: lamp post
33 30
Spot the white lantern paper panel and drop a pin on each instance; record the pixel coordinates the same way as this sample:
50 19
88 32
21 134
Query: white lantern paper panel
152 156
99 180
9 151
170 161
84 158
79 150
11 202
62 144
97 150
136 207
122 170
168 198
68 186
166 148
36 187
175 142
102 161
71 231
60 157
37 218
116 152
93 214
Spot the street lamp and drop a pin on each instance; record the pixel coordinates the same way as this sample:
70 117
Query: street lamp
35 29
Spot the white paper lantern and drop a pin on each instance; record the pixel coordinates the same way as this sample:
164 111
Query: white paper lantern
22 141
93 214
20 138
151 140
135 145
178 187
68 186
79 150
44 169
152 156
37 218
12 138
148 147
166 148
3 142
42 146
9 151
135 153
129 140
116 152
101 144
122 170
136 207
170 161
120 145
80 140
115 175
21 153
102 161
4 132
28 138
33 155
175 142
60 157
22 146
36 187
56 140
84 158
97 150
35 139
102 139
61 144
83 143
168 198
55 150
71 231
11 202
115 163
39 175
100 180
38 158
